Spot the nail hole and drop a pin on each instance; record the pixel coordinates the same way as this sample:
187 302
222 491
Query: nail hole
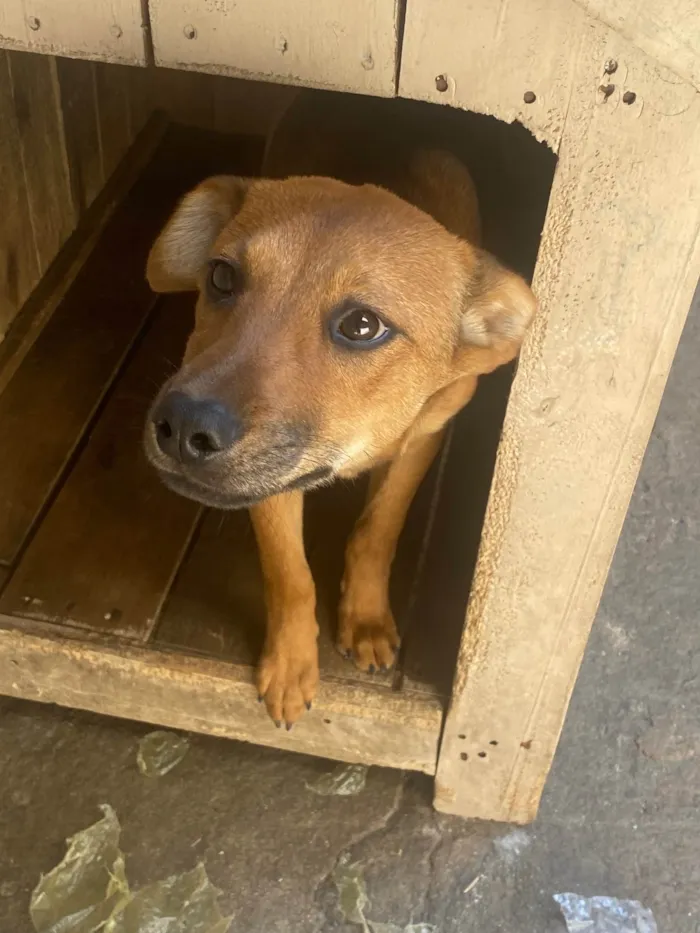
441 83
327 722
34 23
606 90
526 745
462 736
464 756
629 97
190 32
493 742
482 754
529 97
610 66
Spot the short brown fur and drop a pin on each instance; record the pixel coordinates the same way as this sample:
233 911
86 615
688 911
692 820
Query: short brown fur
305 245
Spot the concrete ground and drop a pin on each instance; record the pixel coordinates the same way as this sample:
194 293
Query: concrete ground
620 816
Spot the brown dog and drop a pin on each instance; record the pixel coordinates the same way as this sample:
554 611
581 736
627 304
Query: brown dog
339 326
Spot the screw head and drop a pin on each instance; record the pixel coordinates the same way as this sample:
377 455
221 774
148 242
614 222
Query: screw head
116 31
33 22
610 66
629 97
606 90
441 83
529 97
190 32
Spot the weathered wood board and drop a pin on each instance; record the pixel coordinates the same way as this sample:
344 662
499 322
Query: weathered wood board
615 276
67 370
667 30
490 56
110 32
109 546
349 723
318 43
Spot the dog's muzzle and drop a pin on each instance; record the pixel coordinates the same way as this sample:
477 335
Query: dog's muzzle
202 451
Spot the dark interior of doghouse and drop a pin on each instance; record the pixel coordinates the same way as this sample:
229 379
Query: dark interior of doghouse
90 540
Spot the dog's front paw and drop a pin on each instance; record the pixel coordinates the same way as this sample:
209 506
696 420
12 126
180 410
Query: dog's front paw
288 676
370 639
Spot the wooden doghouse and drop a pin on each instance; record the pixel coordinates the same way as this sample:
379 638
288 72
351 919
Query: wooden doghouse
120 598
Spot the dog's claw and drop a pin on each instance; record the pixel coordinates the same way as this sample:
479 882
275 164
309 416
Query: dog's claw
278 723
347 654
288 726
260 698
308 704
371 668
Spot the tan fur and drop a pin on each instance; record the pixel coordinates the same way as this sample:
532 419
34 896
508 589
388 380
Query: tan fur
307 243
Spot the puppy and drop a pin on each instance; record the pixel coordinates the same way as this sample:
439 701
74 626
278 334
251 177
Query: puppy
343 317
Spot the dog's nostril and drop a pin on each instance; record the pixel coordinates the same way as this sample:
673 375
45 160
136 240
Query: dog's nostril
164 430
203 443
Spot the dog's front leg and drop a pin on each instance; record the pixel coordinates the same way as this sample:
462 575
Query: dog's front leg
366 628
288 671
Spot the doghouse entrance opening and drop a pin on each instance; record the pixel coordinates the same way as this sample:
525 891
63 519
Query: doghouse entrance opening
95 551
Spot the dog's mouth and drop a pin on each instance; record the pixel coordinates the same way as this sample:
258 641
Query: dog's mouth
216 498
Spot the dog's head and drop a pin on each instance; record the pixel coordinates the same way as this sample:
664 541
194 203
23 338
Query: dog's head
328 315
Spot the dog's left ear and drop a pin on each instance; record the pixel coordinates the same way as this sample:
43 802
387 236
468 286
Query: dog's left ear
182 248
497 309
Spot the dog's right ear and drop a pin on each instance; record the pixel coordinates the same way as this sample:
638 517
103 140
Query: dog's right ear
182 248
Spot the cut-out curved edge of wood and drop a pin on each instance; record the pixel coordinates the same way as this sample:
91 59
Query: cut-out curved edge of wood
615 279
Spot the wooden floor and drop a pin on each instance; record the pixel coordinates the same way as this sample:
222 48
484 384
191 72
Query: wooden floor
107 575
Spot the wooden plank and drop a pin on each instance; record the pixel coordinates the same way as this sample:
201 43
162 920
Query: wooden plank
56 283
78 96
40 127
486 55
69 366
349 723
114 114
615 278
111 32
106 552
19 266
330 44
668 30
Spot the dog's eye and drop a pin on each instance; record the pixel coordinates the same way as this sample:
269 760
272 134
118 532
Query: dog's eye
360 326
224 279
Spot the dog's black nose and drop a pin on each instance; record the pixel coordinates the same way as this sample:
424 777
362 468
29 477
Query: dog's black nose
190 430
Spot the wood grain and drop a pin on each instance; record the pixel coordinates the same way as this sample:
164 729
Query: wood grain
490 53
349 723
44 159
19 265
667 30
334 45
107 550
110 32
79 107
615 277
114 114
69 367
